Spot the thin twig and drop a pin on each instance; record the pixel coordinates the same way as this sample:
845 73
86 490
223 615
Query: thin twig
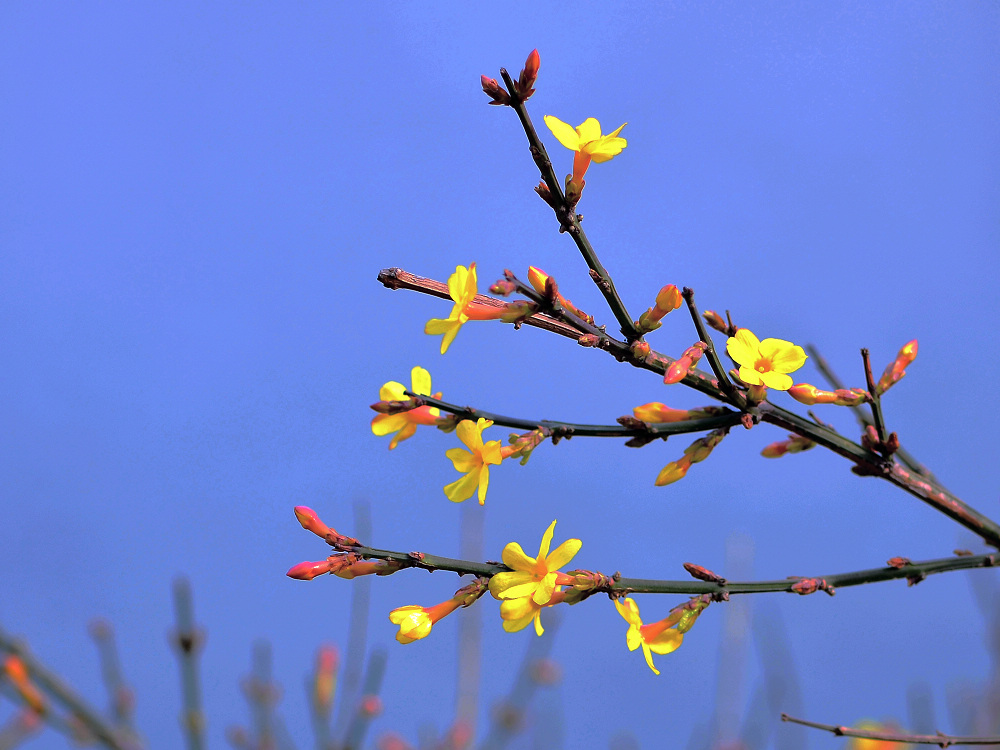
876 400
914 571
941 740
368 706
188 640
572 429
859 411
569 221
736 398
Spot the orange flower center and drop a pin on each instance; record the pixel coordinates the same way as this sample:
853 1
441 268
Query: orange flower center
762 365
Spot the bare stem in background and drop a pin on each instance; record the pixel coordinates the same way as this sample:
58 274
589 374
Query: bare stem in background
188 641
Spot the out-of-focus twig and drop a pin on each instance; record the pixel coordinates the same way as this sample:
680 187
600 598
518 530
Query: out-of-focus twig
188 641
121 695
369 705
61 693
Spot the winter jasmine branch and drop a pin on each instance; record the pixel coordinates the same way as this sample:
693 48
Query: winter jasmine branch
570 429
569 220
941 740
923 486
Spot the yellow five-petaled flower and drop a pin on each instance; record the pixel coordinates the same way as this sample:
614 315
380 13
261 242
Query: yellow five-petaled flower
474 463
660 637
588 143
533 582
765 362
405 423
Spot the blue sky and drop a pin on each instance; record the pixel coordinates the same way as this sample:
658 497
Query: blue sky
196 199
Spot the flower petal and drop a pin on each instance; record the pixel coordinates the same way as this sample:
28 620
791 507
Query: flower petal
615 133
564 132
606 148
461 489
484 482
538 624
563 553
743 347
589 130
462 459
515 559
470 434
383 424
405 433
632 638
749 375
512 626
666 642
784 355
515 609
420 379
776 380
543 590
392 391
543 548
457 282
649 658
512 585
491 452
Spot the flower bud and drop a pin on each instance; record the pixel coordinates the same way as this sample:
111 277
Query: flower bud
715 321
794 444
504 288
371 706
311 522
676 372
639 350
529 75
667 299
495 91
897 369
306 571
673 472
589 340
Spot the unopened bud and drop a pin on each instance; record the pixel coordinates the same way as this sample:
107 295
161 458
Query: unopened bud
306 571
529 75
703 574
702 448
794 444
311 522
672 472
667 299
495 91
589 340
544 193
898 562
504 288
810 394
639 350
518 312
897 369
545 672
715 321
676 372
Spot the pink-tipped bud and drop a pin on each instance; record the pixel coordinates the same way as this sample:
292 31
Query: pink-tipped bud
495 91
526 81
794 444
538 279
897 369
311 522
306 571
676 372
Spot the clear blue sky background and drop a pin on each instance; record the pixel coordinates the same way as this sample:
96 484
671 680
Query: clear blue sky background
196 198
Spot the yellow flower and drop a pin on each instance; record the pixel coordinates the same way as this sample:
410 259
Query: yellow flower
405 423
462 288
533 578
588 143
474 463
659 637
415 622
765 362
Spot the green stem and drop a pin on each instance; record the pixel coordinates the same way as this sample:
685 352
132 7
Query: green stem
569 220
876 399
735 397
